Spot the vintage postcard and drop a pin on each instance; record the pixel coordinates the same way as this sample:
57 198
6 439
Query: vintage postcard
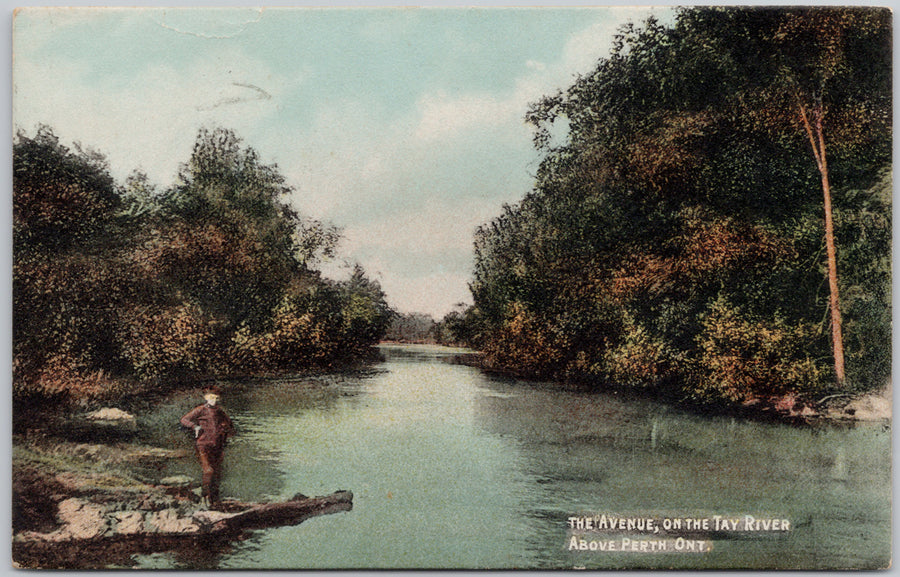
452 288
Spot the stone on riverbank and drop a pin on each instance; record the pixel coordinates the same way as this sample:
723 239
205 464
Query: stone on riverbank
81 520
110 414
874 406
176 481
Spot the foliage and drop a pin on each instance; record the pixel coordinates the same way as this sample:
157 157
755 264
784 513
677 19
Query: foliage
461 326
681 219
131 285
61 197
412 328
743 359
166 341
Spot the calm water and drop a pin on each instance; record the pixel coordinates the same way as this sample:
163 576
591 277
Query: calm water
452 468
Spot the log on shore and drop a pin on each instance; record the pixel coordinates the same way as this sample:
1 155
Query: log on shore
263 515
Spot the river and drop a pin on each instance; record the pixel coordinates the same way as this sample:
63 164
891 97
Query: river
454 468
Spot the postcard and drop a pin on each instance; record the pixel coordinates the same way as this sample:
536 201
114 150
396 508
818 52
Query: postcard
452 288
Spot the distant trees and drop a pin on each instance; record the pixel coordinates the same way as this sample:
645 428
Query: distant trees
451 330
675 242
116 285
412 328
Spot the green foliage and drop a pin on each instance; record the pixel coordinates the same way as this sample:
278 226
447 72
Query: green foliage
302 328
744 359
365 313
118 286
166 341
461 326
639 360
687 179
318 322
61 198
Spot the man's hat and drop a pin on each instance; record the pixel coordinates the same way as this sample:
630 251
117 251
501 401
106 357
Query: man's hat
212 390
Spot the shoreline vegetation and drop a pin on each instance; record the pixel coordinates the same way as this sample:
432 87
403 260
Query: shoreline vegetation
673 247
94 503
687 237
121 286
125 293
873 405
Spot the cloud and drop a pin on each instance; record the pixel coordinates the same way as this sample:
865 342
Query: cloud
411 189
425 231
443 117
422 294
408 179
147 118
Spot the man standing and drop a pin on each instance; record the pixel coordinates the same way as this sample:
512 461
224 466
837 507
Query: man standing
211 427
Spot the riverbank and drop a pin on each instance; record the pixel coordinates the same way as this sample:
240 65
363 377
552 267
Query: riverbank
872 405
462 435
85 506
875 405
88 494
68 495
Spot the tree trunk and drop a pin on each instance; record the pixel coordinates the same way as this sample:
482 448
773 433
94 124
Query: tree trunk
817 140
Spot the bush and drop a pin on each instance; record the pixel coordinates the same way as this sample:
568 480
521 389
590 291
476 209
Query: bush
164 341
639 360
743 359
64 377
526 343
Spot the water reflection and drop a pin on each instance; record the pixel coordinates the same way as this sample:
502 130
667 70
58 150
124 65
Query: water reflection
601 453
452 468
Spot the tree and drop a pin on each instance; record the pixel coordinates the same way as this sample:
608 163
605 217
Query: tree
121 285
67 280
680 209
817 51
62 197
366 314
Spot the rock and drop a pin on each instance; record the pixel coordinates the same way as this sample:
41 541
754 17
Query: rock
128 522
211 517
169 521
81 519
151 455
176 481
89 524
873 407
108 424
808 411
110 414
152 502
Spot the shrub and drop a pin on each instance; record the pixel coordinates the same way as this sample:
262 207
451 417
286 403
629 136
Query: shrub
743 359
525 342
162 341
65 377
639 360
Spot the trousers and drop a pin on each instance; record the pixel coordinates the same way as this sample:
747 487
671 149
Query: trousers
211 464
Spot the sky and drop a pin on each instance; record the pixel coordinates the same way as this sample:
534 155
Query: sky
403 127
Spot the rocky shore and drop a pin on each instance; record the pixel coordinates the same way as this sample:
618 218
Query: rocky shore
83 506
874 406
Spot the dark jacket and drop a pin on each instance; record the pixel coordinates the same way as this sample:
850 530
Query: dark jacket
215 426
